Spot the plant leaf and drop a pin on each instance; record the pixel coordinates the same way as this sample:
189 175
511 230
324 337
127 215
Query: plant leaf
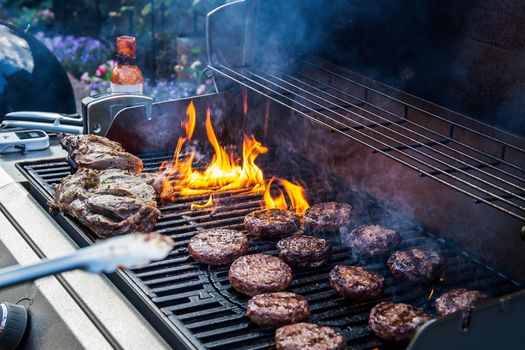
146 9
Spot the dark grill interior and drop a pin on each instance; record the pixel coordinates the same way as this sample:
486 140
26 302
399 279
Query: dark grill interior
212 314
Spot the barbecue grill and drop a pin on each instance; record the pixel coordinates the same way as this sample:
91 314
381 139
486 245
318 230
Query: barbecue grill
200 299
443 180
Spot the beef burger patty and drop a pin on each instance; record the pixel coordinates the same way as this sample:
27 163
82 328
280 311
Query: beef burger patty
259 273
304 251
271 223
396 321
308 336
460 299
373 241
327 217
415 265
277 309
355 282
218 246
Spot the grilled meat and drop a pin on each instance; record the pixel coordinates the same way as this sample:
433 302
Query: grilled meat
327 217
304 251
308 336
271 223
396 321
415 265
218 246
96 152
460 299
277 309
108 202
373 241
355 282
259 273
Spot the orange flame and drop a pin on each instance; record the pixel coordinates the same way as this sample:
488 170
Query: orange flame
270 202
295 194
189 124
224 172
245 101
209 203
169 170
431 293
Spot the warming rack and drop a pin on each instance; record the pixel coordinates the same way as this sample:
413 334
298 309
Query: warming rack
489 170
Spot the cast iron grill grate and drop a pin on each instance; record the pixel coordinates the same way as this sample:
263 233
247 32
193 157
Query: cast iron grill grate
200 302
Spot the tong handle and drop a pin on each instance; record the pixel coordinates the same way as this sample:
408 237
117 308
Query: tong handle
22 273
45 117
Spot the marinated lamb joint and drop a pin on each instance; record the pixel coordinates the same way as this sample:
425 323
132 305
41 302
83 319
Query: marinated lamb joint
271 223
259 273
308 336
416 265
100 153
109 202
218 246
396 321
305 251
327 217
460 299
277 309
356 283
373 241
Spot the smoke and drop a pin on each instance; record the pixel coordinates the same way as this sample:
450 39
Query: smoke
467 57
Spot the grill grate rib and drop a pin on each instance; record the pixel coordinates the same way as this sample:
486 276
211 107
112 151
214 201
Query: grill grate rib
200 298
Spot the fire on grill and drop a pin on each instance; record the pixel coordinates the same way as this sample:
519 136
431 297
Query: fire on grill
225 172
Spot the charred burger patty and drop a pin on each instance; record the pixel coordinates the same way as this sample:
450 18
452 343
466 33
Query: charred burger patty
218 246
308 336
304 251
259 273
271 223
415 265
277 309
327 217
396 321
373 241
355 282
460 299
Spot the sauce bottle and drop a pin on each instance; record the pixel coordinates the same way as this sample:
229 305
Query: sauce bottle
126 76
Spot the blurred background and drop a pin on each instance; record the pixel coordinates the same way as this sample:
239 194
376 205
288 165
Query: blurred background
81 34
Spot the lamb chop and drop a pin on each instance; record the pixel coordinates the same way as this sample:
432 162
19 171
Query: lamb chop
108 202
96 152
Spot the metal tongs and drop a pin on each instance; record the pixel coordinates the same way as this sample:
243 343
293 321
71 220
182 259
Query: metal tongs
129 251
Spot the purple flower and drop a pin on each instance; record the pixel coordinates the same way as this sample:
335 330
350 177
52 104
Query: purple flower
84 77
201 89
46 15
77 54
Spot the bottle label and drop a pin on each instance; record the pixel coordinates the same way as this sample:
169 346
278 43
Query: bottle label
128 89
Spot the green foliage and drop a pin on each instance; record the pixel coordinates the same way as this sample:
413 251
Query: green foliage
73 32
24 13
